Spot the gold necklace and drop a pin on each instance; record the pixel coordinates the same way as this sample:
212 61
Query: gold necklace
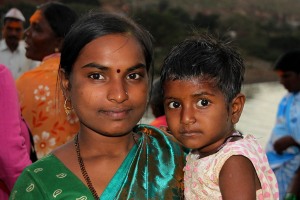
83 170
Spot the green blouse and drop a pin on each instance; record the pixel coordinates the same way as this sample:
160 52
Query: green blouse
151 170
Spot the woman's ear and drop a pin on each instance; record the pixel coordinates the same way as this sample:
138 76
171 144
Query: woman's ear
64 83
58 43
237 107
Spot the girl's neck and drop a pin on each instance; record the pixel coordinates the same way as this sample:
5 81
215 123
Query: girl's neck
231 138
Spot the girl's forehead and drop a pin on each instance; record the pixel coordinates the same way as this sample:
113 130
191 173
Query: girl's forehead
197 80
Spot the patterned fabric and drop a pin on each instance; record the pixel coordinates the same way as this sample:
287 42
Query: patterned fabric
201 176
287 124
42 106
151 170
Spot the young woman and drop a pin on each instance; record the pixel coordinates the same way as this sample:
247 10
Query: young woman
105 77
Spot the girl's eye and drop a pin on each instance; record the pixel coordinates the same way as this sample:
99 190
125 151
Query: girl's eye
174 104
96 76
133 76
203 103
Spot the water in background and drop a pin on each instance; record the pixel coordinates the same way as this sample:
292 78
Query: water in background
259 112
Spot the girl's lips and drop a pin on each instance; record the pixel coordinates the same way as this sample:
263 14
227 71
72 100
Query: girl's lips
189 134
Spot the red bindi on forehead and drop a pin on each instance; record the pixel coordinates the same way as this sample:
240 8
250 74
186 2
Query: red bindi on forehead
118 70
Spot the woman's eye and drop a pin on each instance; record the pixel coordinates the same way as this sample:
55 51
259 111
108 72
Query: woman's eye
133 76
203 103
174 105
96 76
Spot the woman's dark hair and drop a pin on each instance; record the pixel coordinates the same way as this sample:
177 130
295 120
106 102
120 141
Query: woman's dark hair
156 100
207 58
96 24
59 16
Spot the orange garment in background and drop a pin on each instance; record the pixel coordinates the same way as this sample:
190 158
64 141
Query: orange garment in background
42 105
159 122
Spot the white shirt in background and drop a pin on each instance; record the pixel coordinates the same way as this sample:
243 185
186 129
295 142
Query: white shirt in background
16 61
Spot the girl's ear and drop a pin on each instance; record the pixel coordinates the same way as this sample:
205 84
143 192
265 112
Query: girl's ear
237 107
64 83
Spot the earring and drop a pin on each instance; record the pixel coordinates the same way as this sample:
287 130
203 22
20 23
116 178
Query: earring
67 109
56 50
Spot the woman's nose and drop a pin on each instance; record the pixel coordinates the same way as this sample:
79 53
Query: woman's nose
118 92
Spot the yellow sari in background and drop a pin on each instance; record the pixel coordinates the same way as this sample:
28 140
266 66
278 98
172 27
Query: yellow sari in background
42 107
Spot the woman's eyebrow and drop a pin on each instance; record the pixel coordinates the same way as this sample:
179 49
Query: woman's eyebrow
95 65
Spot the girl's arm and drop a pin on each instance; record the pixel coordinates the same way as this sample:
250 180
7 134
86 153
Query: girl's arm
238 179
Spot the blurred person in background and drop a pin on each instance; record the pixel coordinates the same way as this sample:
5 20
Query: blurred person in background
12 47
16 149
283 146
41 100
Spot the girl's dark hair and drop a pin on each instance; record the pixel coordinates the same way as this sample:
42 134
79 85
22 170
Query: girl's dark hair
59 16
96 24
207 58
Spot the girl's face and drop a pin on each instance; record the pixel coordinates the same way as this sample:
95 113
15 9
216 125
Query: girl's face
108 86
40 39
197 114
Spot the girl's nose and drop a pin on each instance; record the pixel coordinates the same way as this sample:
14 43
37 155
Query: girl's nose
187 116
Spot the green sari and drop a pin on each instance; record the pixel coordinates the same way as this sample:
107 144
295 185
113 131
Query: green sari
153 169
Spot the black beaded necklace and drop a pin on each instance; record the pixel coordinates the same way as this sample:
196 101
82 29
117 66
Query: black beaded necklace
83 170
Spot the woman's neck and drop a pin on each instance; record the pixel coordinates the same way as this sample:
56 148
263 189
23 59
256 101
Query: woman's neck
96 144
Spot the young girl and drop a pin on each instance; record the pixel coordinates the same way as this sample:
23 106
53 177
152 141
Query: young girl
105 66
201 78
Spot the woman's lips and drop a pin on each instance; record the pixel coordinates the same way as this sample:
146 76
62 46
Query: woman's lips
116 114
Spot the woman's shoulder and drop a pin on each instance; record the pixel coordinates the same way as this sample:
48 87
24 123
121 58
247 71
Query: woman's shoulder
48 161
159 138
46 179
153 132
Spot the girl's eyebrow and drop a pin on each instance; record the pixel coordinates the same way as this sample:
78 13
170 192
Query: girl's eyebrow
203 94
104 68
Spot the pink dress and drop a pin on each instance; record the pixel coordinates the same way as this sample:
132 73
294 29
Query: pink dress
201 176
14 135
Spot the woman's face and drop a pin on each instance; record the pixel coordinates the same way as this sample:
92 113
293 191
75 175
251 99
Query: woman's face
40 39
108 86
